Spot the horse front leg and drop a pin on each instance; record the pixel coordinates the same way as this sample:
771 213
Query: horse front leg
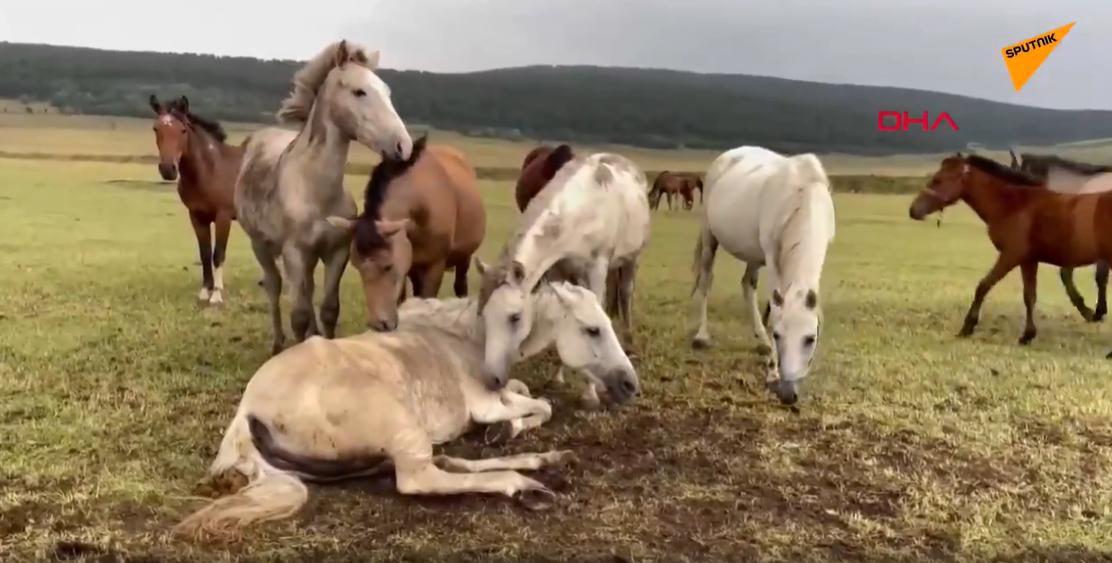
1030 271
749 288
1075 296
299 265
431 278
1102 291
223 229
1004 264
204 246
272 281
334 267
597 273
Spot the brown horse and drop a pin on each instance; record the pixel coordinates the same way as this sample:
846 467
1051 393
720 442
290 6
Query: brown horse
1027 223
539 167
192 150
420 217
680 184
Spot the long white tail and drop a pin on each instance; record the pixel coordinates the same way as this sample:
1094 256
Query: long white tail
270 494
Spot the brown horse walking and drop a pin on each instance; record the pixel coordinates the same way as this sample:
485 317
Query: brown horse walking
420 217
192 150
539 167
679 184
1027 223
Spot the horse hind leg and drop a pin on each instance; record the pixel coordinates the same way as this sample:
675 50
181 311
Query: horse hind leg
1101 279
1030 271
705 249
202 230
749 288
1074 295
272 282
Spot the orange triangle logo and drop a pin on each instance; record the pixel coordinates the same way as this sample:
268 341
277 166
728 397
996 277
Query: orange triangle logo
1025 57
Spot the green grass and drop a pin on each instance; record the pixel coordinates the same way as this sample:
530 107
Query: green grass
910 444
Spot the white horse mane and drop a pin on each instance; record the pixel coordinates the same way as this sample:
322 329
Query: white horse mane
459 316
308 80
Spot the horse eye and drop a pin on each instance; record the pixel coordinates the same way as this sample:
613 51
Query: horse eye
809 340
359 93
776 336
515 318
593 331
387 267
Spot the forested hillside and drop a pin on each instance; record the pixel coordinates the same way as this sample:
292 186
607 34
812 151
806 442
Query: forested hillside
644 107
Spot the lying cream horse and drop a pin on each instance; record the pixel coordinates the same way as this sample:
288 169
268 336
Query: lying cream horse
332 409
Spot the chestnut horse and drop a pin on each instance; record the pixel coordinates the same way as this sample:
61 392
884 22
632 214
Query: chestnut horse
539 167
192 150
1070 177
680 184
421 216
1027 223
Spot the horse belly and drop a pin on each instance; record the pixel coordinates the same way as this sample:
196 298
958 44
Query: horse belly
734 220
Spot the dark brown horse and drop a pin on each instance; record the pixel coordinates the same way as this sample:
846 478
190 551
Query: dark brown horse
192 150
1027 223
539 167
420 217
1070 177
680 184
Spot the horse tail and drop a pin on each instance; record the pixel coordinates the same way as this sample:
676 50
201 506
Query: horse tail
703 264
268 494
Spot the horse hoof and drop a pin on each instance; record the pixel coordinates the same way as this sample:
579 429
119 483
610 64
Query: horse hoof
1109 356
1026 339
217 299
700 343
965 332
561 458
498 434
536 498
1098 316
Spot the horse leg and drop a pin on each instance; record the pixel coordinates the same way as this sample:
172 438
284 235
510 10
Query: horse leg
508 413
272 281
1003 265
432 277
518 462
460 285
1102 291
597 274
333 272
705 249
223 228
749 288
626 288
417 474
1030 271
1075 296
204 246
299 265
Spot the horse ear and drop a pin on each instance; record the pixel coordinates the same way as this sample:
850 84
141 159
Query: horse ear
183 104
156 105
341 223
517 272
812 299
390 228
1015 161
371 60
481 266
557 159
341 55
777 299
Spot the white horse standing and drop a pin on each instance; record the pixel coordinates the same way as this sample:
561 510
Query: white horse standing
591 222
290 183
332 409
770 210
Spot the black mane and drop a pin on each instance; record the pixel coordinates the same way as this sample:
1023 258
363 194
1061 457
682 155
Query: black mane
367 237
1006 173
1043 162
211 126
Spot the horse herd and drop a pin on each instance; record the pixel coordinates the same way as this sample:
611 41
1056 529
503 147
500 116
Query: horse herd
430 369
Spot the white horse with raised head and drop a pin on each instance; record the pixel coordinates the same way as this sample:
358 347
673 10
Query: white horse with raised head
776 211
331 409
589 224
291 182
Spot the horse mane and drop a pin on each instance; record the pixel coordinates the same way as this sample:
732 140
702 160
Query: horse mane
308 80
1002 172
458 316
210 126
1082 168
367 237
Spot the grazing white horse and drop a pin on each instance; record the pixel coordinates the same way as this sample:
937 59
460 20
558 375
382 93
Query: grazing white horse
770 210
331 409
590 222
291 182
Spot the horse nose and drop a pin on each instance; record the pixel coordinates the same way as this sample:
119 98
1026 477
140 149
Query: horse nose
623 385
493 382
169 172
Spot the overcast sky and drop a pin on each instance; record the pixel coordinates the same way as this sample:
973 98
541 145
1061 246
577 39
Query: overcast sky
946 45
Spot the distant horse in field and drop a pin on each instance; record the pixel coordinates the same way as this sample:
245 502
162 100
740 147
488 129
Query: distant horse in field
1027 224
680 184
540 165
590 223
292 182
326 410
192 150
421 216
770 210
1069 177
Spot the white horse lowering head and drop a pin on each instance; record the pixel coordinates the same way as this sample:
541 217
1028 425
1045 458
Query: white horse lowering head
519 324
341 80
795 320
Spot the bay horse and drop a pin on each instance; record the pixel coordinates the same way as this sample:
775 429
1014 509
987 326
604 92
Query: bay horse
590 223
1027 223
421 216
292 182
192 150
774 211
538 168
679 184
325 410
1071 177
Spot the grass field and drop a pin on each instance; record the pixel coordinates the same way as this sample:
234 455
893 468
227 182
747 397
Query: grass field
910 444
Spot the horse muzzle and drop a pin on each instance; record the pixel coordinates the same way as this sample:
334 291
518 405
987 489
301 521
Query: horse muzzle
786 391
169 172
622 385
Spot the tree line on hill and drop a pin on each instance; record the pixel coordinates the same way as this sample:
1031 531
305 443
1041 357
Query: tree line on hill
642 107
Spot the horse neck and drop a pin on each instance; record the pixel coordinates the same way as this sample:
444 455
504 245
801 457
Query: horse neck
458 317
803 245
321 146
991 199
200 157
